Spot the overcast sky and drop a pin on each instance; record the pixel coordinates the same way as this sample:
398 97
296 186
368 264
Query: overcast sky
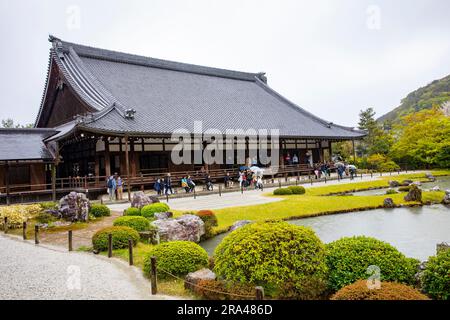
332 58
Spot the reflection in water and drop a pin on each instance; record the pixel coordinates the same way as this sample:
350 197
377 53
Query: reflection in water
414 231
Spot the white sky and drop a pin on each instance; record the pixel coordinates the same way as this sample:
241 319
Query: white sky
333 58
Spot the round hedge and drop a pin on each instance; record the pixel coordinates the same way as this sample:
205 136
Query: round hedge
276 255
120 236
436 276
99 210
132 212
297 189
149 210
348 259
282 191
177 257
388 291
135 222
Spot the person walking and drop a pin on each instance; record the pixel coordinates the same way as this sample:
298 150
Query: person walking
157 186
168 184
119 188
190 183
111 185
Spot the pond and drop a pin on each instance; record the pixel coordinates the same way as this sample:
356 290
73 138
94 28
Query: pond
414 231
442 182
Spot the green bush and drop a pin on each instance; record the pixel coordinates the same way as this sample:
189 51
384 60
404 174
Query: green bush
49 205
282 191
388 166
210 220
136 222
391 191
276 255
348 259
45 218
177 257
436 276
99 210
297 189
120 236
132 212
149 210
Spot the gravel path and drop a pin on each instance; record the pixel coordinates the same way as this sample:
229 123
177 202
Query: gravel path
33 272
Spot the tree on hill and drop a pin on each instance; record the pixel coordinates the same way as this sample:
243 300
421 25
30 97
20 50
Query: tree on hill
9 123
378 140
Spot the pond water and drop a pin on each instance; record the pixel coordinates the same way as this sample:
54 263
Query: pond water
442 182
414 231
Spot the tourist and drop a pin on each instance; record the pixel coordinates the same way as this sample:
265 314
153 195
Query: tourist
241 179
352 170
259 183
111 185
288 159
168 184
226 180
295 159
184 184
208 183
119 188
158 186
190 183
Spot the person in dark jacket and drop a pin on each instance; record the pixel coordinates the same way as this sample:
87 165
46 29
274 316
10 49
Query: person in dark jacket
168 184
158 186
208 183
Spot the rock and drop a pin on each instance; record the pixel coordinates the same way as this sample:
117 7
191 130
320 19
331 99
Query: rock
239 224
417 183
406 183
74 207
414 194
394 184
430 176
140 199
419 275
193 278
187 227
150 237
388 203
435 188
446 199
163 215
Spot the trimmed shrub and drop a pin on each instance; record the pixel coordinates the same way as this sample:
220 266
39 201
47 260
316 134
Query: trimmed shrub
44 217
282 191
388 166
436 276
274 255
149 210
18 214
297 189
132 212
49 205
99 210
348 259
388 291
212 290
404 189
210 220
391 191
120 236
177 257
135 222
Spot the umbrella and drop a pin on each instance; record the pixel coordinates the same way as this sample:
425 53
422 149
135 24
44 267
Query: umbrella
256 169
244 168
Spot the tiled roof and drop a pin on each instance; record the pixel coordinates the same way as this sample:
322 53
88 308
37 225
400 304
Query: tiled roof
169 95
24 144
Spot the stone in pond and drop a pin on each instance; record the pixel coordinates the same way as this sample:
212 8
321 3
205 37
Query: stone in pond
193 278
436 188
430 176
74 207
414 194
388 203
187 227
239 224
406 183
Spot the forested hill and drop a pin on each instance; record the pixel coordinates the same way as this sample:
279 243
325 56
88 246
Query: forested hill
437 92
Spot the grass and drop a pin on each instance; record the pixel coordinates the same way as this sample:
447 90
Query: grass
317 201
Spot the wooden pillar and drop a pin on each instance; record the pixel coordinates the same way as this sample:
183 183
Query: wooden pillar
107 159
127 165
132 159
331 150
7 183
354 151
54 181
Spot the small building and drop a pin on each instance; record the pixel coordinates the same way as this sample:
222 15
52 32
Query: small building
106 112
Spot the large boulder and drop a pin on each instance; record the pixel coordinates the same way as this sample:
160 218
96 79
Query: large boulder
74 207
162 215
388 203
394 184
414 194
187 227
140 199
193 278
446 199
239 224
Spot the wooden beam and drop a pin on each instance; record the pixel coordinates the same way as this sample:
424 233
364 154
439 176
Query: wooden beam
7 183
354 151
53 165
107 159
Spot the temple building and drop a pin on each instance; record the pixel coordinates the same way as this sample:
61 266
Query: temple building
105 112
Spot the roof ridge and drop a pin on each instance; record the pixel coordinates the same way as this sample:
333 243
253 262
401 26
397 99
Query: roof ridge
122 57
